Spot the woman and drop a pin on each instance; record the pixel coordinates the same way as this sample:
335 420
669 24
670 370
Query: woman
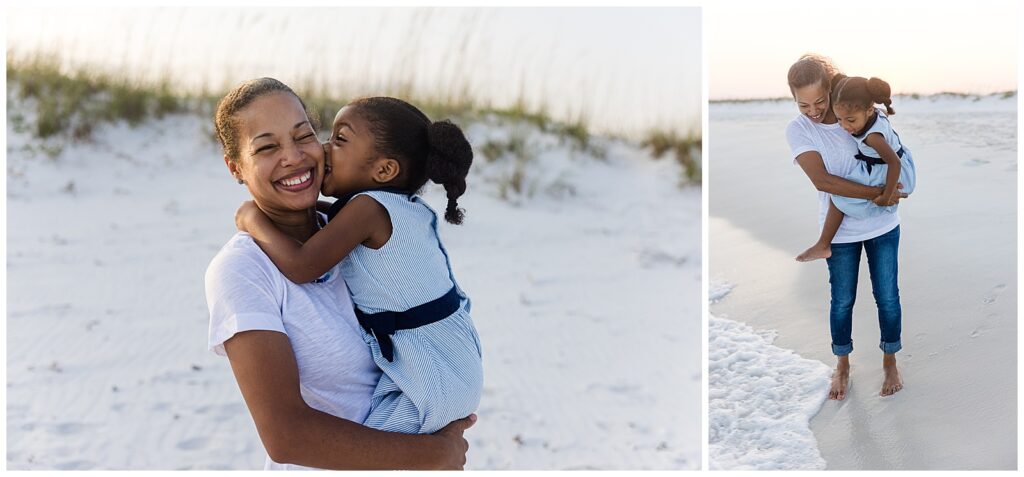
301 364
826 153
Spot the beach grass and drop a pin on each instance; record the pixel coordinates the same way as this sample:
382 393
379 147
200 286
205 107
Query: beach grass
63 104
685 148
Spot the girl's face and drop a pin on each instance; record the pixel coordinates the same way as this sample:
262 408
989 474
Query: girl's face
812 100
351 152
281 159
852 118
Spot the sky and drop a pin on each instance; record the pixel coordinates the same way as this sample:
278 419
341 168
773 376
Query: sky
627 70
918 47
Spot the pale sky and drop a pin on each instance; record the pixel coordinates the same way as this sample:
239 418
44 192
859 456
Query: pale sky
918 47
627 69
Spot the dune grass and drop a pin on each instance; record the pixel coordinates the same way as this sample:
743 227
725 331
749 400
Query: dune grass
685 148
75 103
933 96
61 105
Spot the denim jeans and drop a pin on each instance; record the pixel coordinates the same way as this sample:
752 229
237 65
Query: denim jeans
843 266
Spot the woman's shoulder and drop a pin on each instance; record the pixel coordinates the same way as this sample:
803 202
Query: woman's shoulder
800 123
240 256
798 131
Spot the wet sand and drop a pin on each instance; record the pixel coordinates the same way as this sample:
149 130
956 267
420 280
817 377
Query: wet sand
957 281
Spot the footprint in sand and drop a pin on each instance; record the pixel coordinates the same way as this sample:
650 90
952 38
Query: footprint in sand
76 465
68 428
996 291
650 258
985 325
193 444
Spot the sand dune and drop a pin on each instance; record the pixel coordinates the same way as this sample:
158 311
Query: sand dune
107 360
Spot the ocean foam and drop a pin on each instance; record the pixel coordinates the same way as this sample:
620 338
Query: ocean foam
761 399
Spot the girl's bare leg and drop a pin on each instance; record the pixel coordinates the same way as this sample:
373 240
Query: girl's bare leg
823 248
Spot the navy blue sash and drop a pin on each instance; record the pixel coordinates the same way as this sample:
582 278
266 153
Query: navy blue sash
384 324
875 161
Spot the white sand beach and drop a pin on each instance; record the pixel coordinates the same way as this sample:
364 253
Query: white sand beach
958 284
585 287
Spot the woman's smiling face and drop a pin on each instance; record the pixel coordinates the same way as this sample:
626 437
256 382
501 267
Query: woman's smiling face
281 160
812 100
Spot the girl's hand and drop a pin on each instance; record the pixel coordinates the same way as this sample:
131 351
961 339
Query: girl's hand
245 214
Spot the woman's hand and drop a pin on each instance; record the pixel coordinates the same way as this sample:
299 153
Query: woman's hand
894 199
245 214
454 445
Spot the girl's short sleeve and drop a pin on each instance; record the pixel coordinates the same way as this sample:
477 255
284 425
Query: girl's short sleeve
242 295
799 139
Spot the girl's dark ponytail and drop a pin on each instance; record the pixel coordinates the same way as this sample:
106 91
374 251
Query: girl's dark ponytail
881 93
448 164
436 151
861 92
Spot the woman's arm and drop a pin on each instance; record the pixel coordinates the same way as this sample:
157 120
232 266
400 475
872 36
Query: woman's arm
892 175
292 432
814 166
362 220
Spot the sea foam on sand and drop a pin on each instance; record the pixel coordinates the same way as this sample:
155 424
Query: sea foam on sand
761 399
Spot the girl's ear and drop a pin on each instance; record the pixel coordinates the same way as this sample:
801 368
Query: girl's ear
385 170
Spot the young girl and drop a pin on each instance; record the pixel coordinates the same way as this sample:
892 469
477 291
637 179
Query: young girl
884 160
414 316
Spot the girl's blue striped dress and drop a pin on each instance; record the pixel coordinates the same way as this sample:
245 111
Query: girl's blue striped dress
435 374
871 170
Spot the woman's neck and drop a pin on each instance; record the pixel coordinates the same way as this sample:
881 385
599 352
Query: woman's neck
297 224
830 117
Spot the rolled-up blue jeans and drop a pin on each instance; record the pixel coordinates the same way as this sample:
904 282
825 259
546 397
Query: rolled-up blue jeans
843 266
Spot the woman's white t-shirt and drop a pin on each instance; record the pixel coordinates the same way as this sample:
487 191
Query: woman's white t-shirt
245 291
837 149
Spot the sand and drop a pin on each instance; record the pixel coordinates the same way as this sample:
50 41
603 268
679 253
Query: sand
107 366
958 282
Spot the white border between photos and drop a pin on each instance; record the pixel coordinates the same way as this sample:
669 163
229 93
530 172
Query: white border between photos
707 136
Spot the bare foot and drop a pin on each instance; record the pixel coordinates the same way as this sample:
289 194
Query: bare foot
840 379
817 251
892 383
